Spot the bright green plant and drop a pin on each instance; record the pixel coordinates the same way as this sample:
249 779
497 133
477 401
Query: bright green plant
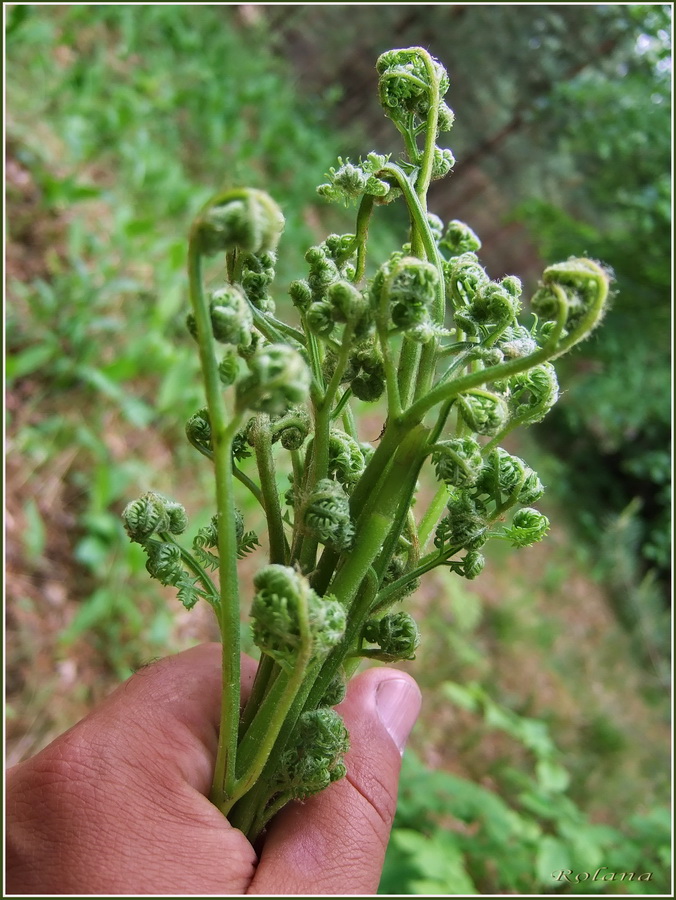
435 337
536 841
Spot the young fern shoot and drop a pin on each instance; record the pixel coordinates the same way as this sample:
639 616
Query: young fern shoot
441 343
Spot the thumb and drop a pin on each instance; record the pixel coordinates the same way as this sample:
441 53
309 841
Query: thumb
335 842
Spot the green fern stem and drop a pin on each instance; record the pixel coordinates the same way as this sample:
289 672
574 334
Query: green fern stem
262 441
222 434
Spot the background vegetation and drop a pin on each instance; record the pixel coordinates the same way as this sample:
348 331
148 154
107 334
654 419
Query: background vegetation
544 740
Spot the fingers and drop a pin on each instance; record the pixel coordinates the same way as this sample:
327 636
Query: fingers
128 784
173 706
335 842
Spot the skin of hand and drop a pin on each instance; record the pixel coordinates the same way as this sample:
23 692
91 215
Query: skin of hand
118 803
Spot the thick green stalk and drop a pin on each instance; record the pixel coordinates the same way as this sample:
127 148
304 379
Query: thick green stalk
382 457
265 673
222 435
260 434
425 174
360 238
409 360
432 514
406 493
372 530
380 531
251 805
259 739
346 587
415 365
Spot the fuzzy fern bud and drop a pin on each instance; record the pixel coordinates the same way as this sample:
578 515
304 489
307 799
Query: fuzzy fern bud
446 117
231 317
465 525
335 692
258 272
528 527
198 431
502 474
327 514
493 304
369 386
396 634
578 287
228 368
178 520
148 515
293 429
279 378
283 601
346 460
473 564
323 272
320 318
485 413
164 562
301 294
412 290
368 382
347 302
517 342
458 462
350 181
512 285
241 219
532 488
405 87
464 277
459 239
443 162
533 393
436 226
315 760
339 246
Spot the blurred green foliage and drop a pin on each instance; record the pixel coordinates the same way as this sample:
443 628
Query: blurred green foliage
520 836
123 120
611 128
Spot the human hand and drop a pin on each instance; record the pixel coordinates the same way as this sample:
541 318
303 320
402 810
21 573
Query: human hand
118 803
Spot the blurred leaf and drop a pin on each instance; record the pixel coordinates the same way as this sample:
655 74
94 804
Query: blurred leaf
17 15
552 777
67 191
467 697
27 361
92 551
135 411
95 610
35 535
552 857
437 860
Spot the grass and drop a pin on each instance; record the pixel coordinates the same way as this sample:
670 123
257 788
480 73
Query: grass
121 120
118 130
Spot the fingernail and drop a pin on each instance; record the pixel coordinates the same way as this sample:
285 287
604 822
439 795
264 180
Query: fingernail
398 702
